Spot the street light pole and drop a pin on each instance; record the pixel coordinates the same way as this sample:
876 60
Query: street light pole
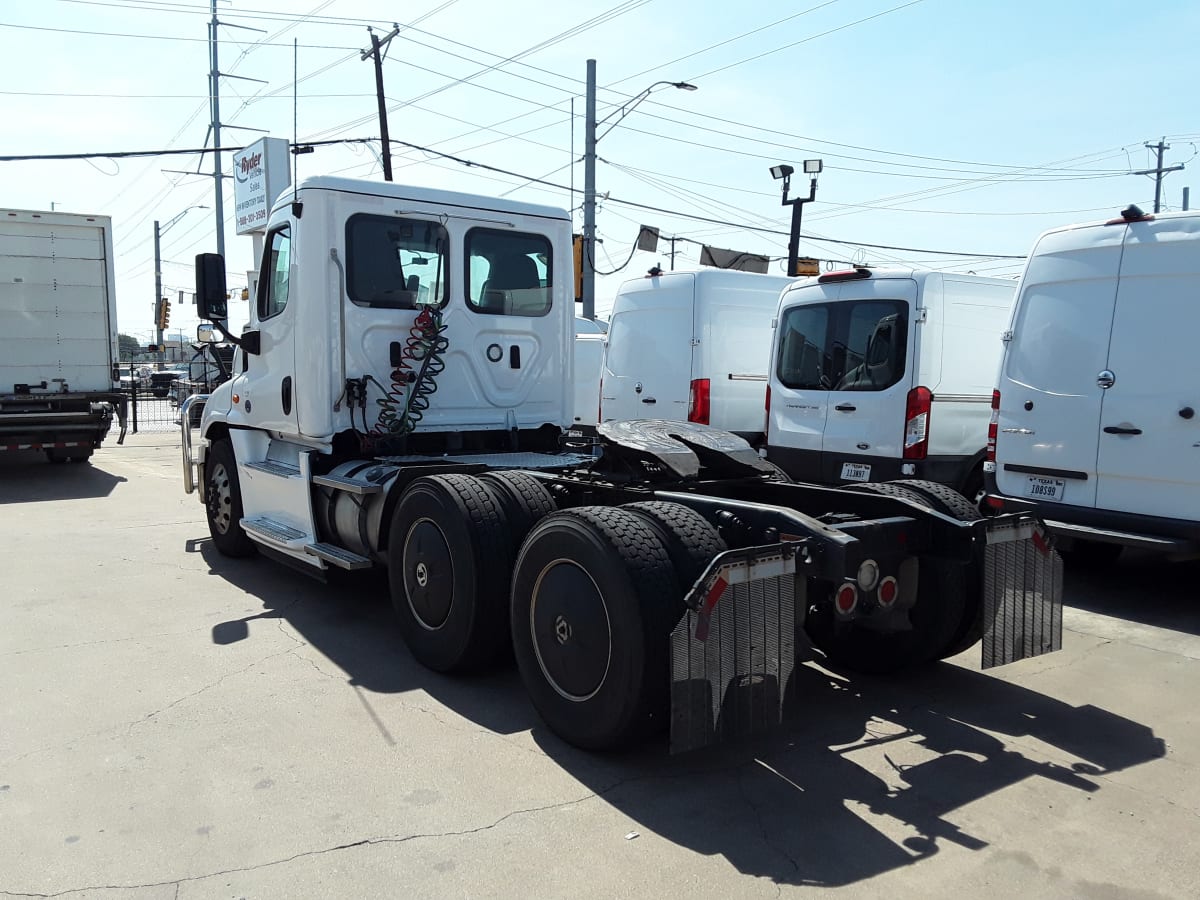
811 167
588 261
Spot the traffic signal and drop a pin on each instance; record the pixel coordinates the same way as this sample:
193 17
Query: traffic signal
164 314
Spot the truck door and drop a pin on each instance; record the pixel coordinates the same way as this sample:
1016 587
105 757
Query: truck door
870 379
267 387
1048 423
1149 455
648 356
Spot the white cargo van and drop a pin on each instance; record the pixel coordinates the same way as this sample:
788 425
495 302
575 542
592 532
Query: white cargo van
1096 409
691 346
883 374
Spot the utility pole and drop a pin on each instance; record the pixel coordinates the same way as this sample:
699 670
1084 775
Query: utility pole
158 333
214 93
589 196
376 52
1158 171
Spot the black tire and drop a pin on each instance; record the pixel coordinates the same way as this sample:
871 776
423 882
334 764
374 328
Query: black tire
1091 554
75 455
936 616
448 572
524 500
223 502
587 631
691 544
949 501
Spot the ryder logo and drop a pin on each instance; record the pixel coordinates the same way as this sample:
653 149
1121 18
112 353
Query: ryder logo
247 167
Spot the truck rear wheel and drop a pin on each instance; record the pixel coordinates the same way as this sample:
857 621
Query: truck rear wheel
223 502
523 498
448 572
936 616
587 626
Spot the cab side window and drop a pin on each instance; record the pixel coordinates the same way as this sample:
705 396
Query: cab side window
396 263
508 273
274 279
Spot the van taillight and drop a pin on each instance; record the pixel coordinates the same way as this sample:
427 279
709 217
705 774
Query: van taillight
993 428
916 423
767 416
698 404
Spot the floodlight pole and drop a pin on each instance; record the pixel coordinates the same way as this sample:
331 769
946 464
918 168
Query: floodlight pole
797 205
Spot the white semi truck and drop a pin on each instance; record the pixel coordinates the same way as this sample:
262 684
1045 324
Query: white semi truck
58 334
400 400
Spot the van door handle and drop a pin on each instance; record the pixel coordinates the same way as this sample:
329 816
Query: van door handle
649 400
1116 429
845 407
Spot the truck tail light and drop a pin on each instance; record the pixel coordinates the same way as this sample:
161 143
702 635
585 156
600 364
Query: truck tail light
993 428
916 423
698 403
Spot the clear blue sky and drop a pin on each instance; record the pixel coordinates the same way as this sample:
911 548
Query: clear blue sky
952 125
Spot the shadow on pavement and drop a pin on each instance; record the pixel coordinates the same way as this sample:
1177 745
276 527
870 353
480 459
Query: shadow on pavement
1140 587
862 784
26 477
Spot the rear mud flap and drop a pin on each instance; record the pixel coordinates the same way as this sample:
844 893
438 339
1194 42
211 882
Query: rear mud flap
1022 594
733 652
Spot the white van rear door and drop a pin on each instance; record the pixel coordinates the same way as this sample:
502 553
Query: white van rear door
1149 458
648 358
798 381
872 362
1049 418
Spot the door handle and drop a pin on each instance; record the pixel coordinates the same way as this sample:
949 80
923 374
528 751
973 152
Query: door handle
845 407
1116 429
285 395
649 400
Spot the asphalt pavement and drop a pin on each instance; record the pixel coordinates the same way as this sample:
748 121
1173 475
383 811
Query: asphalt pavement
174 724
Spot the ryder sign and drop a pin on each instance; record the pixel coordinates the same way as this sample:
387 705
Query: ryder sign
260 175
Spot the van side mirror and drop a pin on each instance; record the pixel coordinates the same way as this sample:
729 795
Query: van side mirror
212 300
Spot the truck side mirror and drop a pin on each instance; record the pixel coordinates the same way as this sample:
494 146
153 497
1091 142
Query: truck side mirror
206 334
211 298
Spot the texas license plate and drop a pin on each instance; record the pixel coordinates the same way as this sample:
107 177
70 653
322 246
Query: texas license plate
1039 488
855 472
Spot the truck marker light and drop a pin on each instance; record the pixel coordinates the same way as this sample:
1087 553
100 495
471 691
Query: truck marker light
846 599
887 592
698 403
868 575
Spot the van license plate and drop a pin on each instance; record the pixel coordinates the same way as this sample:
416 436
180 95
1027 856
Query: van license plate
855 472
1045 488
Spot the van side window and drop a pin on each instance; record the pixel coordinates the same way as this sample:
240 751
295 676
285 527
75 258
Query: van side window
508 273
396 263
872 355
275 276
803 362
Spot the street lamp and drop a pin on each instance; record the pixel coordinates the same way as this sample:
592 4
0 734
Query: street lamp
158 297
589 175
782 171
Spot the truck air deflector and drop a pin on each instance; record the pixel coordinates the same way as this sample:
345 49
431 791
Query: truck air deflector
683 447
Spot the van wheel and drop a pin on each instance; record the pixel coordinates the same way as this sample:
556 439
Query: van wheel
936 617
448 572
691 544
223 502
586 617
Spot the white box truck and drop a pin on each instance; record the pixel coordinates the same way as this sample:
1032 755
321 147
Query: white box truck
1095 415
884 374
58 334
691 347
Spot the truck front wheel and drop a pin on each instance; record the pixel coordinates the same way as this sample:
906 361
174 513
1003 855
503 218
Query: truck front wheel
587 624
223 502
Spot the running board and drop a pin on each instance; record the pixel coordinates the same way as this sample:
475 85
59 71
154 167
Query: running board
338 556
349 485
275 534
275 467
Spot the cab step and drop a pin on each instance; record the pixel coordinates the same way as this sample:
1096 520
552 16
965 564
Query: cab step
338 556
349 485
276 534
274 467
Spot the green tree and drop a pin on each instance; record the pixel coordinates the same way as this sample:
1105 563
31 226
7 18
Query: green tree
128 345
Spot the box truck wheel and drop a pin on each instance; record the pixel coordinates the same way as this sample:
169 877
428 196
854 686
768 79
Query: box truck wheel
587 627
936 617
223 502
58 457
448 572
691 544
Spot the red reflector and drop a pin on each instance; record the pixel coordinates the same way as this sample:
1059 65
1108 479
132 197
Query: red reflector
846 599
888 590
916 423
994 502
698 404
